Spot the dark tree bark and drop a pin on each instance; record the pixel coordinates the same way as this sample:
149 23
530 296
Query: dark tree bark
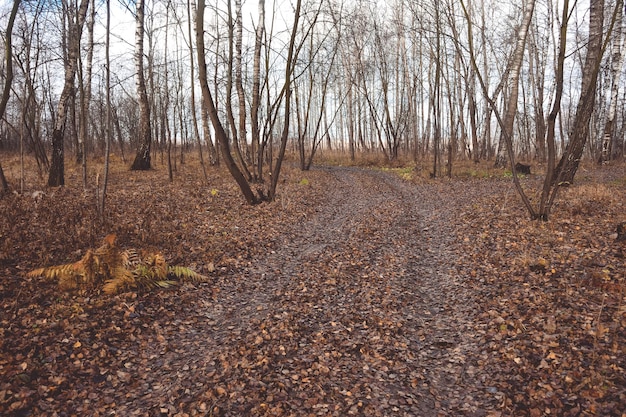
548 193
4 184
56 176
220 133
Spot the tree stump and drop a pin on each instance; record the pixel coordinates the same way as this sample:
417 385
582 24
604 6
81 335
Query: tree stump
522 168
621 232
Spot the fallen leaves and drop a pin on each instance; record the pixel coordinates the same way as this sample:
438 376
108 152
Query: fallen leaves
360 294
563 281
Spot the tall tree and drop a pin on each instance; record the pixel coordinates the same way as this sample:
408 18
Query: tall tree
8 53
510 111
257 153
84 85
76 20
142 158
241 140
220 134
292 55
617 62
192 90
579 132
548 193
107 151
514 67
234 76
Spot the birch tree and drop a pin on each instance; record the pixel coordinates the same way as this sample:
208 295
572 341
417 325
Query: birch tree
257 151
142 158
107 76
579 131
618 54
76 20
513 68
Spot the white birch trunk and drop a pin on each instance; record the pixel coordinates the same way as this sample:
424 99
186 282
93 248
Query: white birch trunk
619 53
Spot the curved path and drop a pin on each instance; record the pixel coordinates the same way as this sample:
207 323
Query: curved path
357 310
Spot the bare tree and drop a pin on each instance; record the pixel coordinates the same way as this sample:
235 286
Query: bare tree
107 60
514 68
76 20
220 133
579 132
234 77
8 53
548 193
617 62
84 84
289 68
319 70
257 153
142 159
192 90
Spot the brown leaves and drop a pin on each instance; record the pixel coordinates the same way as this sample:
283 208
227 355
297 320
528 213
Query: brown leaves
359 294
553 301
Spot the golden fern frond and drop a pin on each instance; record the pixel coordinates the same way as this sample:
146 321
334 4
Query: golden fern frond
89 268
120 279
157 265
69 276
186 274
131 258
162 284
147 277
109 256
53 272
39 272
116 270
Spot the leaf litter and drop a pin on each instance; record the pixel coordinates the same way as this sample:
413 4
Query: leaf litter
356 293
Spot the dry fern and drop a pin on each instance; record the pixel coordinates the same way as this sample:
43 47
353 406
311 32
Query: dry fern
186 274
115 270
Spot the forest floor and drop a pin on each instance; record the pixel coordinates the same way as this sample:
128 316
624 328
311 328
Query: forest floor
358 292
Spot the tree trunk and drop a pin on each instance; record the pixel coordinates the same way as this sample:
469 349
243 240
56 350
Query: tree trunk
257 152
289 67
619 53
220 133
192 75
107 145
568 165
85 98
241 141
56 176
234 66
548 193
506 133
513 68
142 158
4 185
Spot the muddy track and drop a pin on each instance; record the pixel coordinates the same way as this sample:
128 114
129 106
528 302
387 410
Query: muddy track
357 310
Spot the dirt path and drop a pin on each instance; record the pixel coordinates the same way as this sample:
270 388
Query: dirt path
357 311
381 298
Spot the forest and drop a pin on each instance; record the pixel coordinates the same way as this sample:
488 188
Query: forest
311 207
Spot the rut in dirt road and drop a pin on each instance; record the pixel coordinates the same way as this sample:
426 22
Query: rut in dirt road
357 311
